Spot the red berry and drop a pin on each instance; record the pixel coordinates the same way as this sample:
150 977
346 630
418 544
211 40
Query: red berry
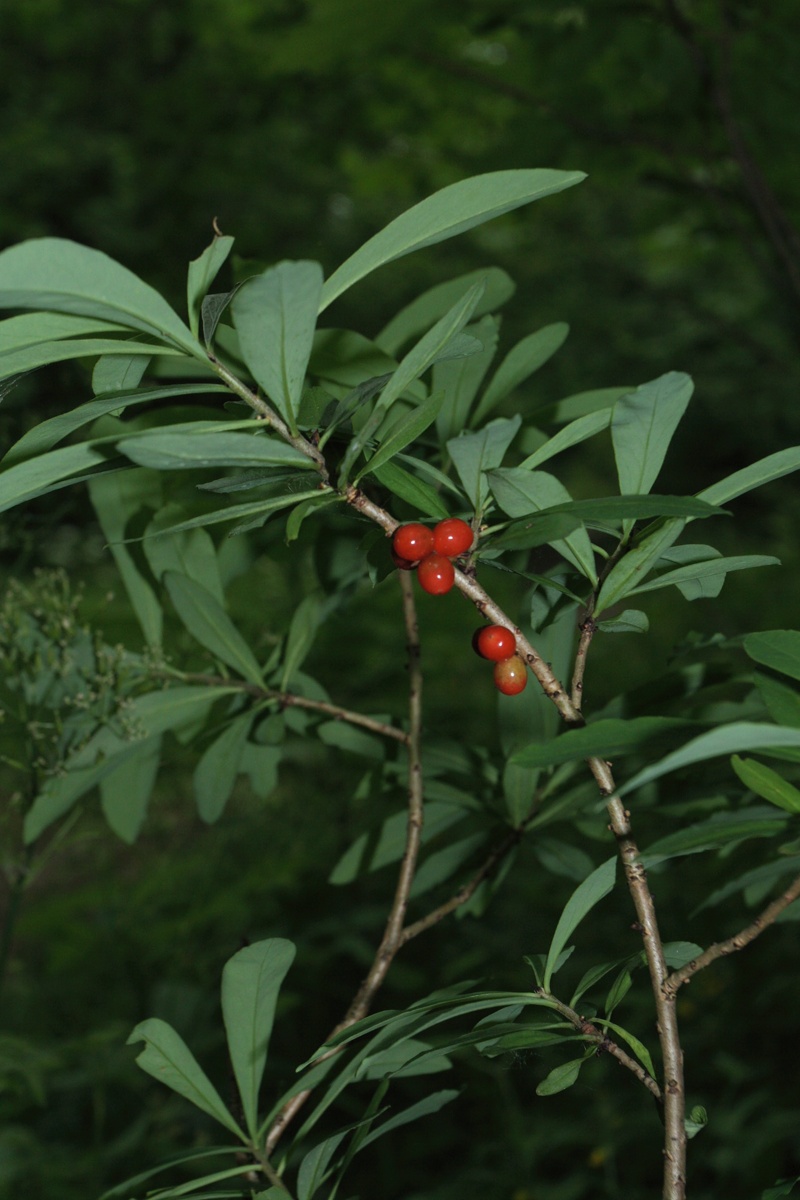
452 537
436 574
412 542
494 642
511 676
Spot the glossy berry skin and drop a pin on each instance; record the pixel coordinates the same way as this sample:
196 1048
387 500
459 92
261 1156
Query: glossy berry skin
436 574
412 542
452 537
511 676
494 642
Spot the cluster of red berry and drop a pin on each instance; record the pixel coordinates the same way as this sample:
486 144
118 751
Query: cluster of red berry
430 551
499 645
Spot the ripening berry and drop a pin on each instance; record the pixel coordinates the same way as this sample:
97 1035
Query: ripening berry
494 642
511 676
412 542
436 574
452 537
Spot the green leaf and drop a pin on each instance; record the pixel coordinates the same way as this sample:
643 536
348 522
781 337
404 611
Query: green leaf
421 313
521 493
767 783
404 433
461 378
423 1108
216 771
275 315
202 273
774 466
314 1166
639 1049
416 492
251 981
27 480
583 403
61 276
607 738
571 435
589 893
529 532
30 328
302 631
635 564
723 829
730 739
242 511
167 1058
116 373
206 620
125 792
453 210
712 569
47 433
782 1188
415 362
476 453
191 553
116 498
629 621
122 1190
206 447
696 1121
560 1078
642 426
778 649
439 866
781 700
342 356
519 364
154 713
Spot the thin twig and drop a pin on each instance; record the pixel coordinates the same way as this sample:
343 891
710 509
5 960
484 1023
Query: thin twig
392 936
292 700
739 940
268 414
604 1043
588 629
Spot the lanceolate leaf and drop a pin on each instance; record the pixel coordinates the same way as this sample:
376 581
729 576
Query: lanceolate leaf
608 738
275 315
404 433
724 829
414 491
774 466
582 901
519 364
30 328
251 981
43 353
188 450
520 493
48 433
776 648
453 210
707 570
152 714
243 511
215 773
766 783
202 273
642 425
117 373
418 359
61 276
476 453
124 793
730 739
206 619
571 435
461 378
57 469
167 1058
635 564
423 312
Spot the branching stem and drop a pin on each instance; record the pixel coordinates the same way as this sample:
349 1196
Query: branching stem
738 942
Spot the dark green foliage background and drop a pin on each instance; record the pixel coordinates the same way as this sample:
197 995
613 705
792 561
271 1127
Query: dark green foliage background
303 128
